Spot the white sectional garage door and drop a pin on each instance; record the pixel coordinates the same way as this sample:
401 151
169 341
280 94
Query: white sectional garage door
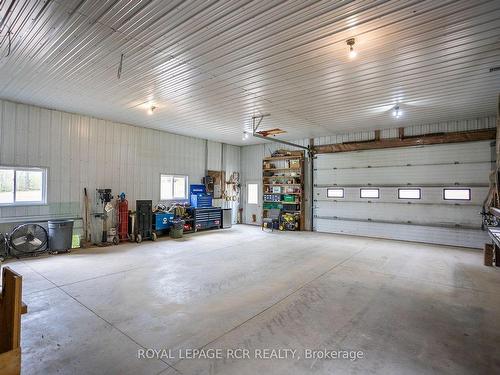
430 169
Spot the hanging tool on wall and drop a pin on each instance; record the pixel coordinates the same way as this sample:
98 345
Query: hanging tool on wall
104 196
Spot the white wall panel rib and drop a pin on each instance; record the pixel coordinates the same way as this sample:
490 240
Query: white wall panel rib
214 153
81 151
430 168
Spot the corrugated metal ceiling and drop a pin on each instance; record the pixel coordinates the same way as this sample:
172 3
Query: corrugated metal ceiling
208 66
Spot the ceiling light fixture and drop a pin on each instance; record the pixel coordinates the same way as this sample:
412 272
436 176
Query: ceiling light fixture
350 42
396 112
151 110
245 136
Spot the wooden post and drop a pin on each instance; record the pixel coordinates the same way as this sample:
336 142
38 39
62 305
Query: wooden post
10 362
488 254
11 308
10 317
496 256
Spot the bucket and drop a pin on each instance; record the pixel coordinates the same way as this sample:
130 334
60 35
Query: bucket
60 235
177 229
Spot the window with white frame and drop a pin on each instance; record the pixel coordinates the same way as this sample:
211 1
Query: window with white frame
413 193
253 193
22 186
456 194
335 193
369 193
173 187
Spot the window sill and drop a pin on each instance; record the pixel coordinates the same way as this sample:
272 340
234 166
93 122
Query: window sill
24 204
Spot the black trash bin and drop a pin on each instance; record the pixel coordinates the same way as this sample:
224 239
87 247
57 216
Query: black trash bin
60 235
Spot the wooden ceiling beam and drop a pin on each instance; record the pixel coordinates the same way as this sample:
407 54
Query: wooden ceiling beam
428 139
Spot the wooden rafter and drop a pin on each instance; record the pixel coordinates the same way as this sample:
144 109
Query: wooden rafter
429 139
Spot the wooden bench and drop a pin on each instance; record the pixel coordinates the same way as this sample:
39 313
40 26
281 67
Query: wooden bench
11 308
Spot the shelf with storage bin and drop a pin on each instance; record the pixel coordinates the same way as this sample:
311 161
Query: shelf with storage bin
283 188
286 202
282 184
287 157
281 169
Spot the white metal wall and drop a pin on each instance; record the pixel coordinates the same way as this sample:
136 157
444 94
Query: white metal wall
430 168
81 151
251 172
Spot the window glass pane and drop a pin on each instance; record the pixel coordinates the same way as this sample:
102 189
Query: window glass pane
180 187
409 193
335 193
457 194
369 193
253 193
6 186
29 186
166 187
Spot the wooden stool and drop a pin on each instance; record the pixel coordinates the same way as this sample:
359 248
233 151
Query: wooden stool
11 308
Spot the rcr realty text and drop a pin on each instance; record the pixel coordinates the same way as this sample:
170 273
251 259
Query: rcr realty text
241 353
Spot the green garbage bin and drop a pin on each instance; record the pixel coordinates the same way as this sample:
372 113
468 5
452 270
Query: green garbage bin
177 229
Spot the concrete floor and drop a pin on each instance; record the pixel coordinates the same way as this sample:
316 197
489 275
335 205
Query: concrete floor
410 308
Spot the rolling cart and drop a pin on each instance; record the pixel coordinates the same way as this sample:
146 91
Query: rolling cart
143 225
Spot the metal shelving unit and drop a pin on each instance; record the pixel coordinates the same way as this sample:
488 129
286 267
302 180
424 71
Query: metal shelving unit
287 174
